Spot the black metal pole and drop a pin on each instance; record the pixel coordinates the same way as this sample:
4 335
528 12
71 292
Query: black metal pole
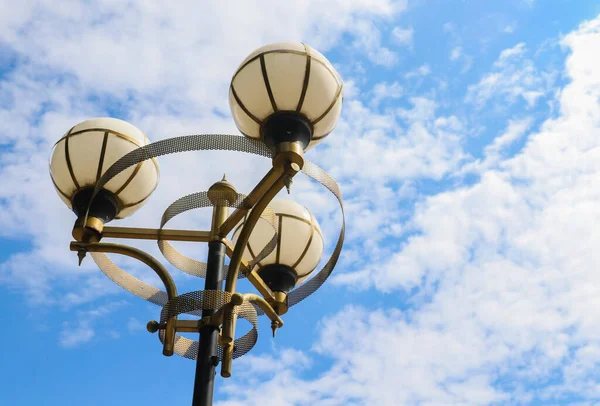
207 361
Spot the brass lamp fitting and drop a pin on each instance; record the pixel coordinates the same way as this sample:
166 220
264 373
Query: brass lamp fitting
279 303
222 193
91 231
289 152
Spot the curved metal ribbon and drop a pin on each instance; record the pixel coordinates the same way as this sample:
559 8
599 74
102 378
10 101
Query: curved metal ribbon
190 303
200 200
315 282
197 143
128 282
194 303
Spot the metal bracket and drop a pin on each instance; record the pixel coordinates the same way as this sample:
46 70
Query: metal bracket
185 326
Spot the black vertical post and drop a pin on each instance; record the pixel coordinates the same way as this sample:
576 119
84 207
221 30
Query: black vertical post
206 363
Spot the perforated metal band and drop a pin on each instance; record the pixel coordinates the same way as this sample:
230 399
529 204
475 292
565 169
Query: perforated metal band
191 303
315 282
194 303
200 200
128 282
185 347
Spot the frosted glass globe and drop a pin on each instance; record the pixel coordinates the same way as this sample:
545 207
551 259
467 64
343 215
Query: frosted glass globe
86 151
286 77
299 239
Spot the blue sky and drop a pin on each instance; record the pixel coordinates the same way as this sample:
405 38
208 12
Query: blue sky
467 153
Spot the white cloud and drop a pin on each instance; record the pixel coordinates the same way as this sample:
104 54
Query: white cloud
507 266
150 48
421 71
403 36
508 272
510 54
509 280
383 90
513 78
394 146
74 336
493 153
382 143
75 62
134 325
369 39
456 53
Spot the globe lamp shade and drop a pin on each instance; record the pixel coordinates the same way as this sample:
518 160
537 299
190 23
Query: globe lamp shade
82 156
299 245
286 92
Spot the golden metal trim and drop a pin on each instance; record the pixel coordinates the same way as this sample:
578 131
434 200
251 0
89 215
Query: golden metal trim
154 160
229 251
335 99
117 134
274 51
280 303
310 238
68 159
249 224
321 136
59 190
303 220
306 79
265 306
98 129
101 159
260 285
253 254
287 51
128 181
250 201
90 231
330 69
125 206
265 75
135 253
157 267
235 230
216 194
237 99
279 232
156 234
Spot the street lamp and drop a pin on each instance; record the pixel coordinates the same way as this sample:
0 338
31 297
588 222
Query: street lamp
285 98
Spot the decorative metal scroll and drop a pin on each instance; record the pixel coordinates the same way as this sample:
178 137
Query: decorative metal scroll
194 303
199 200
191 303
185 347
315 282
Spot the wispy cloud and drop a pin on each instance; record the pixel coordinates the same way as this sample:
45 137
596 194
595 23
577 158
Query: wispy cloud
481 288
403 36
456 53
507 272
75 334
513 78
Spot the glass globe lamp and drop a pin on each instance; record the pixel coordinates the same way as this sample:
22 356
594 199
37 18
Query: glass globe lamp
299 245
286 91
85 152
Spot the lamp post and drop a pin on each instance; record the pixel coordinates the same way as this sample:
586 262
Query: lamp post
285 98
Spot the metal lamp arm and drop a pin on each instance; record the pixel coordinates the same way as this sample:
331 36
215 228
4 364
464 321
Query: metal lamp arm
157 267
289 162
111 248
